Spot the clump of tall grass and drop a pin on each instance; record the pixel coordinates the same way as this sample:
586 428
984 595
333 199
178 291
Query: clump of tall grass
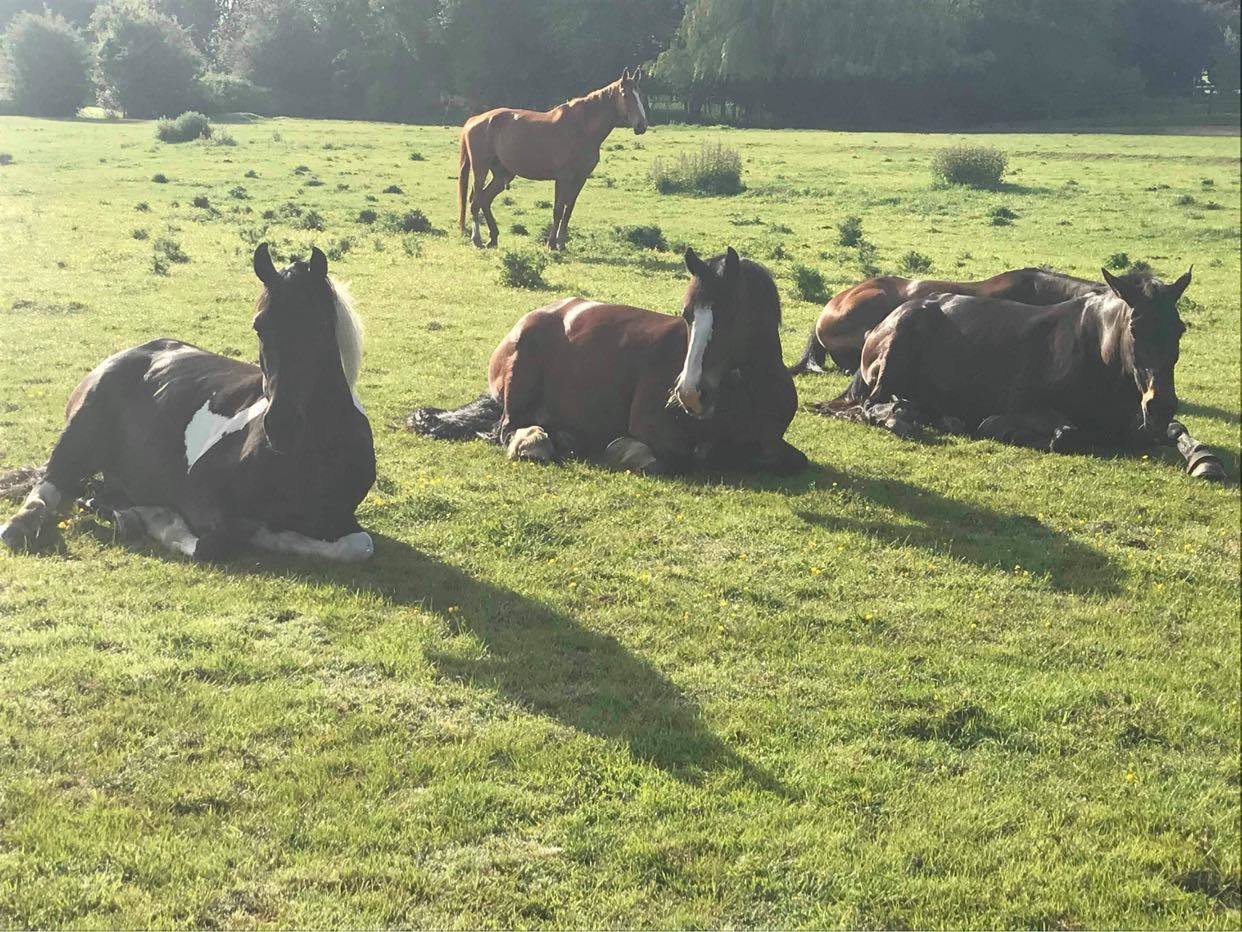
188 126
973 166
714 169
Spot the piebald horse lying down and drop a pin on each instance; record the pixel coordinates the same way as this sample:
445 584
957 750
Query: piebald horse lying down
644 391
206 453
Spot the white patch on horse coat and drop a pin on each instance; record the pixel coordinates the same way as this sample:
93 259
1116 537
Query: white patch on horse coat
206 428
688 389
46 493
642 111
352 548
581 306
166 526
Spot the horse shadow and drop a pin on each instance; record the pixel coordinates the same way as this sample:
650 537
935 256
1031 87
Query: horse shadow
1209 412
946 526
543 661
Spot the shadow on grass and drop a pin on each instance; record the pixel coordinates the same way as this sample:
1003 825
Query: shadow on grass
545 661
979 535
1209 412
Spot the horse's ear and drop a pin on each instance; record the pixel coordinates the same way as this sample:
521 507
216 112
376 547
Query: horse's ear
733 264
1118 286
697 266
263 266
625 76
638 75
318 263
1175 290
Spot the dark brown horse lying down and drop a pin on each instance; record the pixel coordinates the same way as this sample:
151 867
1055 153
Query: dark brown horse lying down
1093 371
206 453
847 318
645 391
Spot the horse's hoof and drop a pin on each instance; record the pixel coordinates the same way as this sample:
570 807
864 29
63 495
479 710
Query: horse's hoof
629 455
214 548
14 537
129 526
532 443
491 244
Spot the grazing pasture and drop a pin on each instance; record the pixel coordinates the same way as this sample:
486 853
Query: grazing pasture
926 683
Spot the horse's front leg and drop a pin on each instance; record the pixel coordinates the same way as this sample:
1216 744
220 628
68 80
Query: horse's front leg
354 547
655 442
572 190
170 528
558 208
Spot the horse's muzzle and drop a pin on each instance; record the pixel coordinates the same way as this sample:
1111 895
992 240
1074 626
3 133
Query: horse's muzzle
640 128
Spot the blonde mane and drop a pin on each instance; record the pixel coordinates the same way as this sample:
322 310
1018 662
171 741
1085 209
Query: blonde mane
349 332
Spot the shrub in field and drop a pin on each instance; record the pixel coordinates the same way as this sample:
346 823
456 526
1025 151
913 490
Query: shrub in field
974 166
238 193
338 247
809 284
914 263
393 189
147 64
1002 216
139 233
190 125
6 158
412 221
522 269
417 157
867 255
219 137
714 169
519 229
201 200
849 231
367 215
1184 200
1117 261
170 250
311 220
48 65
645 237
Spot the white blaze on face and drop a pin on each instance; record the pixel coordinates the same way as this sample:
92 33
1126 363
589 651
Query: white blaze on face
206 428
689 389
642 111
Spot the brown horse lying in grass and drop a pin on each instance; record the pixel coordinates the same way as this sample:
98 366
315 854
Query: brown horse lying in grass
846 319
1093 371
645 391
561 145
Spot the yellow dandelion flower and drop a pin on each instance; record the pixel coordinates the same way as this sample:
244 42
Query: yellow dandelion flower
1130 773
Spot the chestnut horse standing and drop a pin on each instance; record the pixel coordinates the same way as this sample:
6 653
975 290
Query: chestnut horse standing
560 145
846 319
650 392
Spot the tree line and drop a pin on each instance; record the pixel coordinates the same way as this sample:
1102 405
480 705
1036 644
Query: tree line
769 62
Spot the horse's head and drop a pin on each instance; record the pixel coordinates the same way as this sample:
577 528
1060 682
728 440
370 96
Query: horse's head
716 307
1151 352
297 323
632 109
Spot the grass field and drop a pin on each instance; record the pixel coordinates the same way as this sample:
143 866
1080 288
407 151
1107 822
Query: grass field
936 684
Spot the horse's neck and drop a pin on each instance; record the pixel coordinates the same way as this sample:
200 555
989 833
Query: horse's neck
594 115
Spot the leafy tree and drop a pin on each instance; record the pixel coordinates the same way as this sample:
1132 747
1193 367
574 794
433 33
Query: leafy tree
147 64
48 65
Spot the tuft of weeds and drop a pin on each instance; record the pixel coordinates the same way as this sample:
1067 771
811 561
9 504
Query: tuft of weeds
367 215
1002 216
412 221
914 263
523 269
251 173
159 178
142 207
649 236
850 231
867 258
417 157
201 200
311 220
1183 200
1117 261
168 250
6 158
714 169
809 284
139 233
519 229
338 247
238 192
393 189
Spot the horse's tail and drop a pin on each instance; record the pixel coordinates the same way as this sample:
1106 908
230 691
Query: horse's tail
812 357
849 404
478 419
463 183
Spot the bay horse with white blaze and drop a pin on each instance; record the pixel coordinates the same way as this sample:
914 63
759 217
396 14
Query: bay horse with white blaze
647 392
849 316
560 145
1092 372
206 453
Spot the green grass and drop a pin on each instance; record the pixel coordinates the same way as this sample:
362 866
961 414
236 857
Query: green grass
943 684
